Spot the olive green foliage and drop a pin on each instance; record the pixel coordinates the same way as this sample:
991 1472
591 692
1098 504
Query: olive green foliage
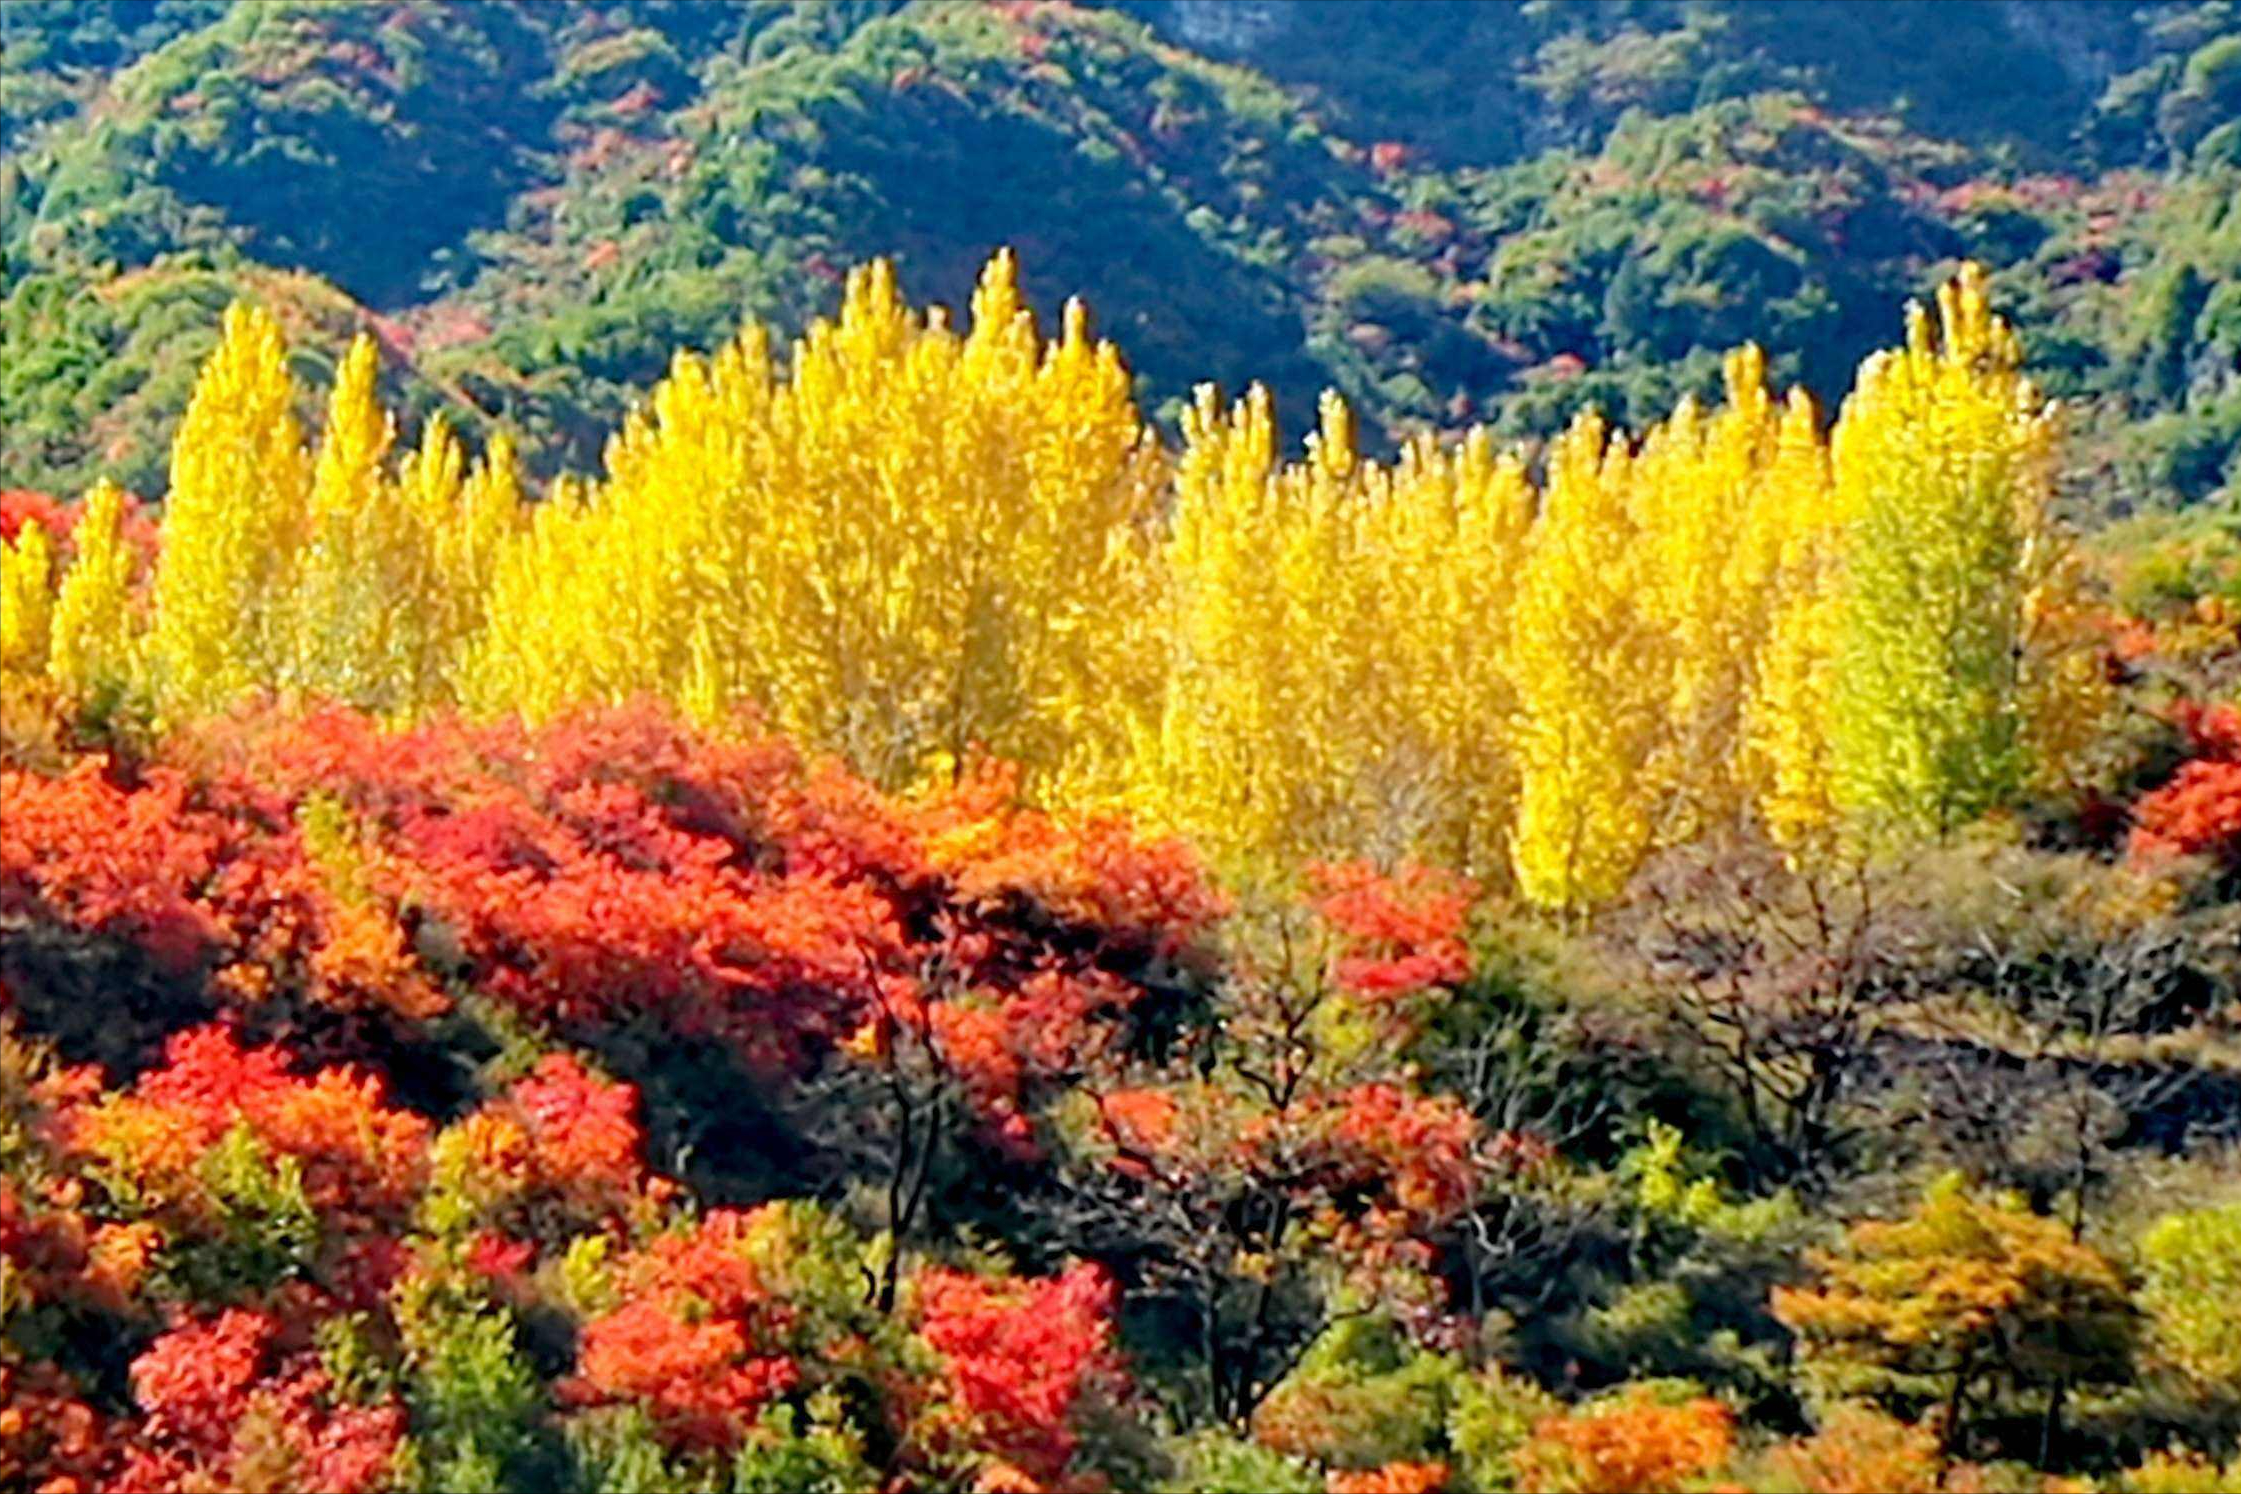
1483 85
355 142
1760 220
99 369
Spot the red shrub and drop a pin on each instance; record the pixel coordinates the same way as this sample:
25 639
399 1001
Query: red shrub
50 1439
222 1408
1021 1356
2198 811
688 1343
584 1130
361 1159
21 506
1404 930
1414 1152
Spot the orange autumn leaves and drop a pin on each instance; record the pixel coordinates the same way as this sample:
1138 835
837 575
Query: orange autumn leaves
602 867
354 1154
1636 1446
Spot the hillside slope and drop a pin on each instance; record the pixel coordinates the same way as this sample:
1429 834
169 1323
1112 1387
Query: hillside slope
1450 213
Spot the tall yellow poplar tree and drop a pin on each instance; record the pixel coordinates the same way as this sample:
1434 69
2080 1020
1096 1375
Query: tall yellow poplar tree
26 600
234 521
343 609
1593 675
1785 758
1721 502
26 622
94 654
25 617
468 523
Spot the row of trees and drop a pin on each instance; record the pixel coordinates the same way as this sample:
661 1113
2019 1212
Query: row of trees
914 544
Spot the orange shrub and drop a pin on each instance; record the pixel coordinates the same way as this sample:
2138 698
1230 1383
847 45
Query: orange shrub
1635 1445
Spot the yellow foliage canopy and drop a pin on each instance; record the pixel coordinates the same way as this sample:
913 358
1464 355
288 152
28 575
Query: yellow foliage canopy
914 543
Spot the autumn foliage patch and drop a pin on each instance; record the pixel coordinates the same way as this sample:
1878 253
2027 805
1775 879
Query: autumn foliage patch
699 980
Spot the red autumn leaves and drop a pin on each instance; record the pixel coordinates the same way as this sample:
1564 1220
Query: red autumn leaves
228 1406
318 878
612 866
2197 812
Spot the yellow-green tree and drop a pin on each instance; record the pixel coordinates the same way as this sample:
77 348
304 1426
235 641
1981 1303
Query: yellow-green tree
1943 474
2192 1265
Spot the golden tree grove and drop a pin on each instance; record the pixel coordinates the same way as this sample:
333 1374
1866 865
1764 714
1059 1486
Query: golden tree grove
912 543
1337 674
915 544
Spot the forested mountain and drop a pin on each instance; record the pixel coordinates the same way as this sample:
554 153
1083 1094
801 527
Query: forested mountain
1150 748
1451 213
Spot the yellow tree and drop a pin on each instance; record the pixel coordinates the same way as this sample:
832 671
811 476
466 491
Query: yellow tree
1784 757
915 544
94 655
471 529
235 519
1593 675
27 592
346 600
1458 518
1338 680
1718 500
396 571
26 621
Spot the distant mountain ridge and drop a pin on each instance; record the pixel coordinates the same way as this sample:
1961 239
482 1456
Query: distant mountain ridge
1452 213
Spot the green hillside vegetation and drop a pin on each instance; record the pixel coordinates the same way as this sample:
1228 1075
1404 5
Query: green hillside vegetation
1450 213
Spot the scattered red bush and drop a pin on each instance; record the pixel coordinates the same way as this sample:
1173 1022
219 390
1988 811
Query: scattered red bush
2197 812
